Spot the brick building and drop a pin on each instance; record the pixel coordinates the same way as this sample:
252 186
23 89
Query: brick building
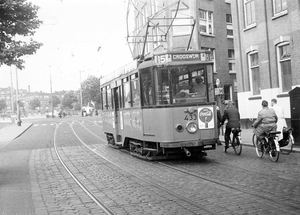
197 25
267 37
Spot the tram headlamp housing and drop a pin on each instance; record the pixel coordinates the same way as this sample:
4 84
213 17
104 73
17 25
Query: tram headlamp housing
179 128
192 127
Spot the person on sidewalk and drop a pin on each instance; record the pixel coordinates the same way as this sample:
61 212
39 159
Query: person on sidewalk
266 121
232 115
280 115
219 120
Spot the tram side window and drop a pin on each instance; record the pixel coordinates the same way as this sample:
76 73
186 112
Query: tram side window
162 87
147 89
135 89
109 98
126 93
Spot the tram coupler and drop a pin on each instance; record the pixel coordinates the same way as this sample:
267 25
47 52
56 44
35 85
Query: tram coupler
187 152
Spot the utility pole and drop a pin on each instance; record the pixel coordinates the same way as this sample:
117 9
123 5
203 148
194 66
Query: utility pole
80 92
51 97
17 98
11 91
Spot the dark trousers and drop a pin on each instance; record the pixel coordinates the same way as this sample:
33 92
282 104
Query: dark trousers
227 136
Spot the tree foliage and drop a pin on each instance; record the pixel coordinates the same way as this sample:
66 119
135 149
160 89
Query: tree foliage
69 100
2 105
55 100
91 91
34 103
18 19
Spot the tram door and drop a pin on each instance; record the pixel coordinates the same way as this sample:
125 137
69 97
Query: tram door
117 124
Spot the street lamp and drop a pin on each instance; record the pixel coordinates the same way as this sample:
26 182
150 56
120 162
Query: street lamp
51 97
80 91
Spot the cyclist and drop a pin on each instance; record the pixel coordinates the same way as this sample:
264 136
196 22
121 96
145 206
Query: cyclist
280 114
266 121
232 115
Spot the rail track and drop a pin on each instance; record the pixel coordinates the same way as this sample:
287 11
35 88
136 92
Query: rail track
167 196
274 203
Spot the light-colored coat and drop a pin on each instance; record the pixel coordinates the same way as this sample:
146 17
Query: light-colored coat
266 121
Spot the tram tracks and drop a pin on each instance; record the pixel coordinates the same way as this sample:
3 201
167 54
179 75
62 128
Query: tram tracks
196 207
168 199
78 181
283 206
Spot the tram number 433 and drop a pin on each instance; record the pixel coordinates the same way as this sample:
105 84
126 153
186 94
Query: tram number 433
191 117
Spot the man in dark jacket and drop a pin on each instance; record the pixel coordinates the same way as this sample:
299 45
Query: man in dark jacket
232 115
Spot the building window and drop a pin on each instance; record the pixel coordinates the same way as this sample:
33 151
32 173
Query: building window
212 55
249 13
279 6
229 26
284 67
206 22
227 92
254 73
231 61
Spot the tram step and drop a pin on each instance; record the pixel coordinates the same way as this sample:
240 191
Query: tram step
149 149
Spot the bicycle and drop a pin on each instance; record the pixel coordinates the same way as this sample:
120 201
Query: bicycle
254 137
236 140
267 145
287 142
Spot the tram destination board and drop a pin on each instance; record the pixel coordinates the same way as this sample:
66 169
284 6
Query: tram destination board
178 57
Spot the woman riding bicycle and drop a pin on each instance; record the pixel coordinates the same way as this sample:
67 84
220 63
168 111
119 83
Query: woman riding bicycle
265 122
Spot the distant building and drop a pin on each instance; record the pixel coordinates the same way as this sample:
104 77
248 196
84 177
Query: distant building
267 54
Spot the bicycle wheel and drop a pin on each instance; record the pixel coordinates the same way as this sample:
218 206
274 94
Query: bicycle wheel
237 146
259 148
274 154
254 139
286 150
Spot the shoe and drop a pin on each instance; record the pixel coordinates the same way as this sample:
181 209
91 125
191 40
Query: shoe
219 143
226 147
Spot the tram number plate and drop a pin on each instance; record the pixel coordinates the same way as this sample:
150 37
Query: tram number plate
190 117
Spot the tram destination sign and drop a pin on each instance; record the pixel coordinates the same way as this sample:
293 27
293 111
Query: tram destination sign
177 57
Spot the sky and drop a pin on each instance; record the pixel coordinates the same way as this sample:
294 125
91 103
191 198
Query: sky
80 37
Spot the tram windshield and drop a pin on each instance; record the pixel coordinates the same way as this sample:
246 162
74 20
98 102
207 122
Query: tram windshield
183 84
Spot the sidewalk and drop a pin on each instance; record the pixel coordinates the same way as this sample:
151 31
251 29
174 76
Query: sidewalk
246 136
11 132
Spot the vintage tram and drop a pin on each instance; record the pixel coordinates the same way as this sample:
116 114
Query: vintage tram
162 107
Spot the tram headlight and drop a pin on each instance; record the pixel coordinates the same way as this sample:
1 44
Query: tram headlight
192 127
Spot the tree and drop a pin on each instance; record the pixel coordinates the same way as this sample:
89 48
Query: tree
18 19
55 100
34 103
91 91
69 100
2 105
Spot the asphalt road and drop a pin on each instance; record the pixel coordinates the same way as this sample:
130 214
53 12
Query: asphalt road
33 181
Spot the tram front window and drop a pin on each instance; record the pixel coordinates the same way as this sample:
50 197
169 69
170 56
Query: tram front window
184 84
163 89
189 84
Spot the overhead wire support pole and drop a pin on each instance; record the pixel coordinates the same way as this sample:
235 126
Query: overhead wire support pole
17 99
51 96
